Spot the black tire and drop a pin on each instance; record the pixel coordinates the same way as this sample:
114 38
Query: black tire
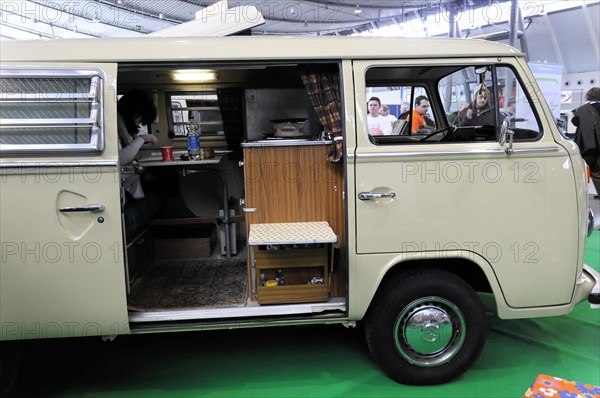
10 361
426 327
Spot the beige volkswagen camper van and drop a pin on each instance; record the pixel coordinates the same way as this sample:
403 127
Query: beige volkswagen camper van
300 211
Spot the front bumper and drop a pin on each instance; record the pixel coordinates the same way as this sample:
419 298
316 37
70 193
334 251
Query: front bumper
590 282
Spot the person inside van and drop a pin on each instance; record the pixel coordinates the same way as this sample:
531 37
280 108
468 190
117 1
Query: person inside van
135 108
158 187
453 117
480 112
377 124
384 111
420 121
404 107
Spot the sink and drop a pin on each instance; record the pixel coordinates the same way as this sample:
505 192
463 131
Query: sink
285 142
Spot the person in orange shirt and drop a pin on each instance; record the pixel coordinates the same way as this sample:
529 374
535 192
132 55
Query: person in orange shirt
418 123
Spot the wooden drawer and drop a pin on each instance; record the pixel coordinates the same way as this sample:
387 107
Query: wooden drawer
298 267
292 294
291 258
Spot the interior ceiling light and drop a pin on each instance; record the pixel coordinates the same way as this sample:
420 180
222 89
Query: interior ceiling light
357 11
196 75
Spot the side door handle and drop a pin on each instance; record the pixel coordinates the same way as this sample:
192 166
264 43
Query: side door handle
76 209
372 196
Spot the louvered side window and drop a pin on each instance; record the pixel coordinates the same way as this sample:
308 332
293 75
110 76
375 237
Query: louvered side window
54 111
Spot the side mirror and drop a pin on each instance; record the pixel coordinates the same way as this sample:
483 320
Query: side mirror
506 134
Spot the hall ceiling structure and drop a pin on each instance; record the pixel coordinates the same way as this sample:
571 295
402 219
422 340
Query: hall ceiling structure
111 18
568 36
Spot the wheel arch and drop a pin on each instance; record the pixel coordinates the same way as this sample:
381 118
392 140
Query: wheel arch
473 269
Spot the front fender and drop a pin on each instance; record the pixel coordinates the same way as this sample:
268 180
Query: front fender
369 271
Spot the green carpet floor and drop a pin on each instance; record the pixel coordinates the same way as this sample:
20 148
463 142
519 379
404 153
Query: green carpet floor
323 361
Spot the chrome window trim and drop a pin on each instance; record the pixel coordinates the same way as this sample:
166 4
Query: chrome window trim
72 122
42 165
499 151
57 97
95 97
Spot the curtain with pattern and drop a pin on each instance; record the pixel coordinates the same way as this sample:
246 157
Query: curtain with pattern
322 84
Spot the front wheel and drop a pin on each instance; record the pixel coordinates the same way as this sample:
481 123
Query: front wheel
426 327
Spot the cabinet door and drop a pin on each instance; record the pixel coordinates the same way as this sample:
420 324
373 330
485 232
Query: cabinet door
293 184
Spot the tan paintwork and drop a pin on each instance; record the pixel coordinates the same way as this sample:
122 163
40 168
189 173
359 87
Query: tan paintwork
61 274
243 48
508 212
509 228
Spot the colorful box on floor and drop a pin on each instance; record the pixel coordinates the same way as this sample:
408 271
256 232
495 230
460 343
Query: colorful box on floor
546 386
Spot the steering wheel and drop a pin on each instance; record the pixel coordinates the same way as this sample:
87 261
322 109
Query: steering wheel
450 128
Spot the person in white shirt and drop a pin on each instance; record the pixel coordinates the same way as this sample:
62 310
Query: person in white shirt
134 108
384 111
377 124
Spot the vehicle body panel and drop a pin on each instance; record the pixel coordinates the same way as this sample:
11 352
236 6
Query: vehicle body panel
62 274
477 216
471 198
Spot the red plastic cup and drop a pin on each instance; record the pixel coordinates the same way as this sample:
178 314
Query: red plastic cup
167 153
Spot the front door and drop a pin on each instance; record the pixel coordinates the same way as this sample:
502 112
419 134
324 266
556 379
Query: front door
62 267
448 187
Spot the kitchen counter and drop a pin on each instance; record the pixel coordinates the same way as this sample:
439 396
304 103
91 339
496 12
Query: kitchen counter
276 142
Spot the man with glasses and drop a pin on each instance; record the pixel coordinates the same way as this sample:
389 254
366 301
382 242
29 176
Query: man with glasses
419 116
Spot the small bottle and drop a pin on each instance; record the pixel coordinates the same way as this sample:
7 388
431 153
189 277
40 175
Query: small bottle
279 277
262 279
193 140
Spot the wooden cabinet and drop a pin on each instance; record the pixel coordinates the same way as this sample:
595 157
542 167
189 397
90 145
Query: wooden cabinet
290 184
297 267
298 253
293 184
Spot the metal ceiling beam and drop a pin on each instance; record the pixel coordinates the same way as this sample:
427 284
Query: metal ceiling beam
365 5
553 39
512 30
29 31
592 33
41 22
523 38
116 6
52 5
453 28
